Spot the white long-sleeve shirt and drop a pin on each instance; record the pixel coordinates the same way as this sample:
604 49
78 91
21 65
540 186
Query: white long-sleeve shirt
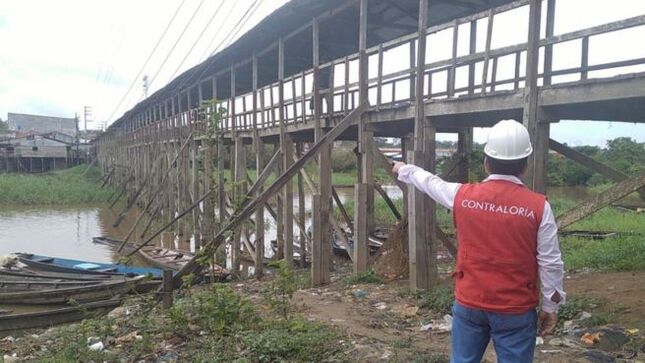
549 258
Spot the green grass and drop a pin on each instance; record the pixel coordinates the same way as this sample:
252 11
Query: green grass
69 186
626 252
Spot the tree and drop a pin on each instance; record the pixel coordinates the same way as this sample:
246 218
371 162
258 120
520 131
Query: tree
626 155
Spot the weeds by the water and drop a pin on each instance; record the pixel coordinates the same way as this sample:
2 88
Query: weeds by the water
76 185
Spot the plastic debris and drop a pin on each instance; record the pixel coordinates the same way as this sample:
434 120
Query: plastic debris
360 293
380 306
539 341
632 332
439 326
589 339
585 315
97 347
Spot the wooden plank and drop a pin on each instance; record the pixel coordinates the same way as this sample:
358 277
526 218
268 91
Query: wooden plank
241 215
605 198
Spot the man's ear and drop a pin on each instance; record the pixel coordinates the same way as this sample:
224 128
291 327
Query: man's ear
486 165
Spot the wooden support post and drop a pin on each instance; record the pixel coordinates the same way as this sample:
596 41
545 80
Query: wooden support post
364 201
221 181
489 39
301 211
421 211
535 176
209 215
318 271
259 165
321 250
239 197
605 198
464 148
472 49
167 297
360 253
286 148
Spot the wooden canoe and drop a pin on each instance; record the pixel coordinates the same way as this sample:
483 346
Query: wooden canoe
56 264
41 319
163 258
27 273
7 285
80 294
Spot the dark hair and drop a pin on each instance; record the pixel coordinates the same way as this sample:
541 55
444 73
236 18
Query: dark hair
506 167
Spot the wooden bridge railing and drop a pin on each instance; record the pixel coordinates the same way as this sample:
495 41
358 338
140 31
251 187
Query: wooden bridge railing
389 88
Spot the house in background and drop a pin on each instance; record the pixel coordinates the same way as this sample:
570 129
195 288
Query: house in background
40 144
20 122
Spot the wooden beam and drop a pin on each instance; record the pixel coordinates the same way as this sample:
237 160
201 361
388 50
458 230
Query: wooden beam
388 201
605 198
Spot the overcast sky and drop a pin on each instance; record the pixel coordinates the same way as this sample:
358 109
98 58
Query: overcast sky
58 56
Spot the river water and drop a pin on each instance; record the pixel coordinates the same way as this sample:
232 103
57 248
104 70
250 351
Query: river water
68 231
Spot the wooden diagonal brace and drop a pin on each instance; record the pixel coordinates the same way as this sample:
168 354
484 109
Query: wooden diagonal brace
605 198
591 163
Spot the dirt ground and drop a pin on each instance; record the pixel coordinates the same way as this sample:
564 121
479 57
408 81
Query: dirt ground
385 324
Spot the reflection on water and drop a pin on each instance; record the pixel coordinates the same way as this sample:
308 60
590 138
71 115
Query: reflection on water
56 231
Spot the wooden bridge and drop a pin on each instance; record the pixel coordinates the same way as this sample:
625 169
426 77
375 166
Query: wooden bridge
318 71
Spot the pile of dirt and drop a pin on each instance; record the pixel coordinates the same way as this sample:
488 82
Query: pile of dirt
392 260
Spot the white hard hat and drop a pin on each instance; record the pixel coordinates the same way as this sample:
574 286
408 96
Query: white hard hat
508 140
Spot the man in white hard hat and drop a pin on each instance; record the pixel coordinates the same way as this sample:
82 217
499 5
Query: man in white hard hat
507 242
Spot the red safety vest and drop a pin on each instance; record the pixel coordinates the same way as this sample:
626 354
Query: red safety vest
497 225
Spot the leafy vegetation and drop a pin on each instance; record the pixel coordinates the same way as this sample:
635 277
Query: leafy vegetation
216 323
76 185
367 277
438 300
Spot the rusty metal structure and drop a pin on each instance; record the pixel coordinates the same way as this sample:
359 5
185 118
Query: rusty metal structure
318 71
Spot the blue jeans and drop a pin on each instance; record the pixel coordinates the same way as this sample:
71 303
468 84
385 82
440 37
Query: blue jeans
513 335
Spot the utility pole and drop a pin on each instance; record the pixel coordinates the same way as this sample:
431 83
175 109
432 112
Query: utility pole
77 138
87 113
145 86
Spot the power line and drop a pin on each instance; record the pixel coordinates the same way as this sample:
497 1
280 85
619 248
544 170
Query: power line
136 78
240 23
234 37
198 38
176 42
210 44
